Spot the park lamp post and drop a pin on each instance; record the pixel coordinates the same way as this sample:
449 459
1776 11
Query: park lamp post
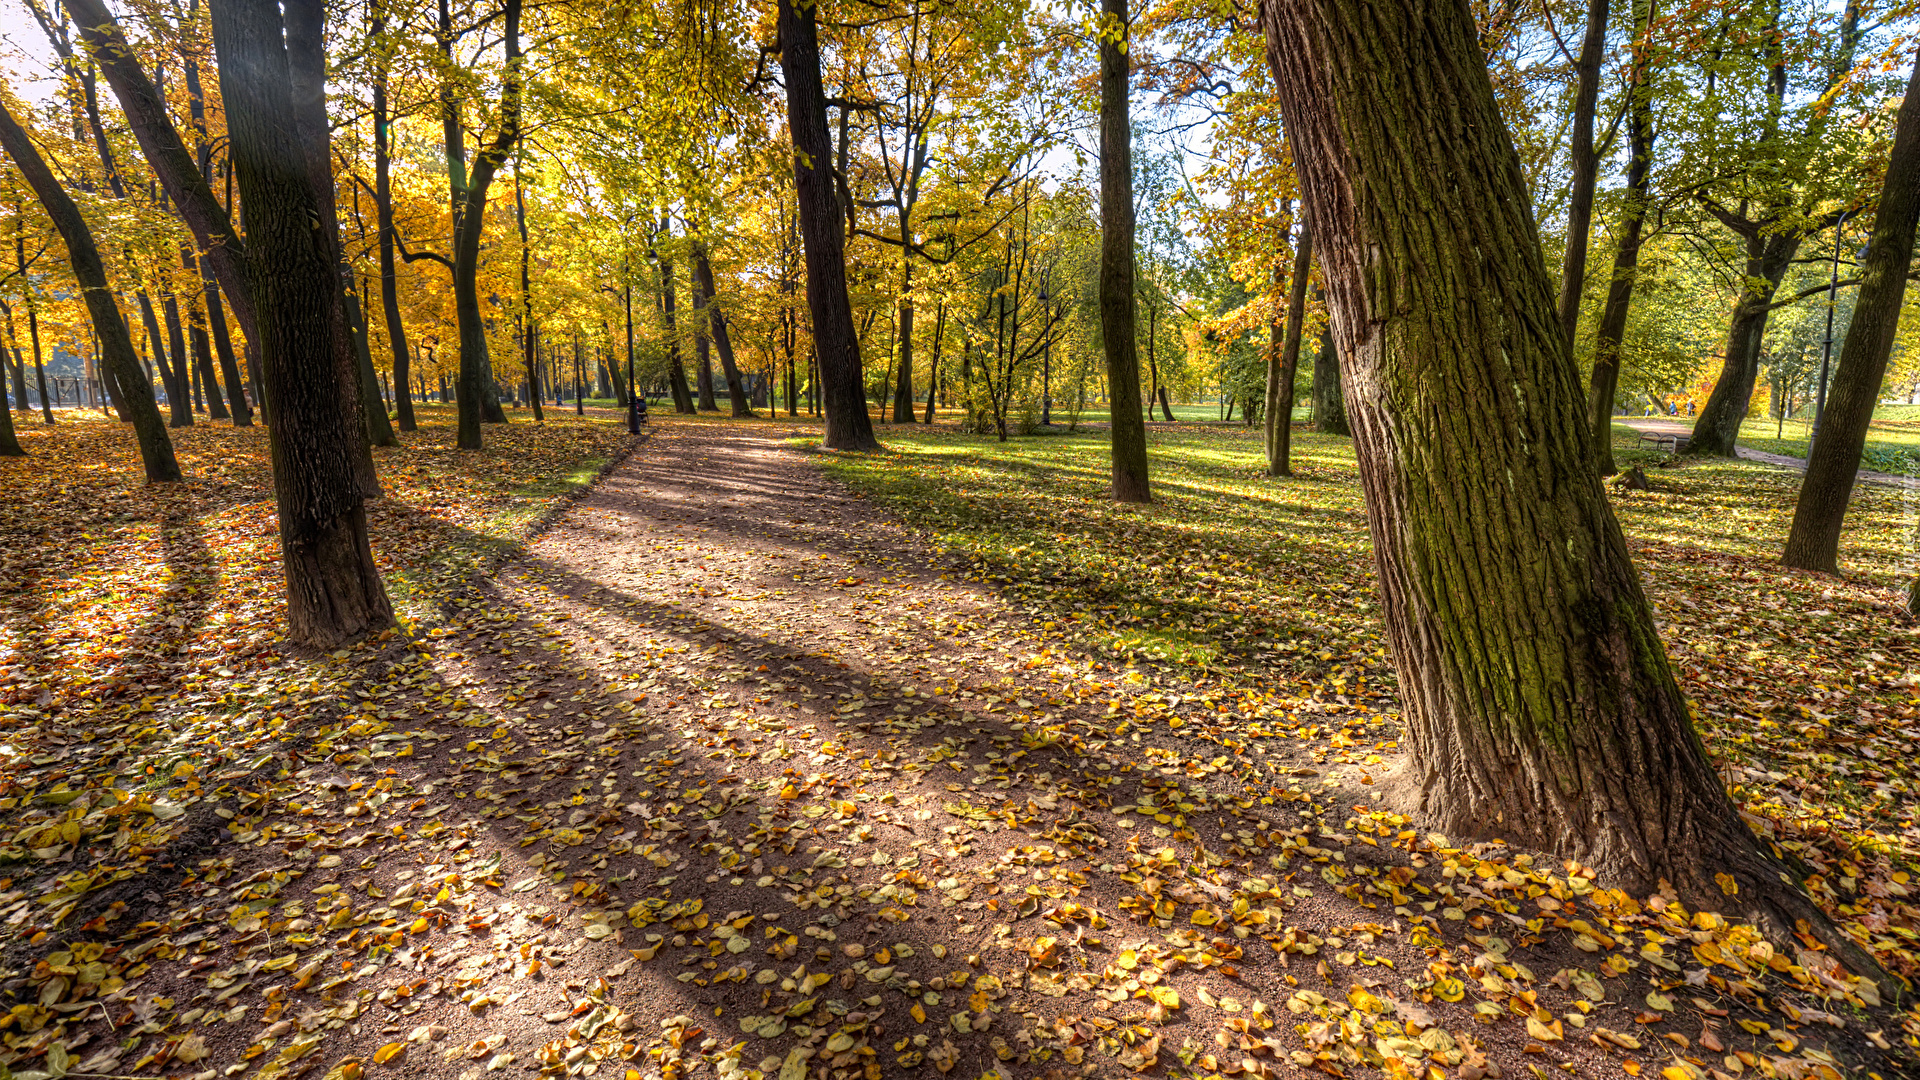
1046 369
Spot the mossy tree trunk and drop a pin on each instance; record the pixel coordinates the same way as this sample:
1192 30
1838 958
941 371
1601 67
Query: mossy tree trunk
1539 702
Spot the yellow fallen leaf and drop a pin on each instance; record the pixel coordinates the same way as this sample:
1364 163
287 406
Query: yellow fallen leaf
388 1052
1543 1032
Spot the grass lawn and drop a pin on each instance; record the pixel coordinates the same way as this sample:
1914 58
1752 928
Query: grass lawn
1893 445
1805 686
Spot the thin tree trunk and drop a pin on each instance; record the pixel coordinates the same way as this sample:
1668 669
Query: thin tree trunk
1834 458
1540 705
33 331
175 357
169 379
1129 429
903 381
334 593
848 427
177 353
1585 165
167 153
676 370
237 405
1280 391
116 344
383 208
1329 404
470 194
198 323
1626 258
702 346
933 367
527 329
736 393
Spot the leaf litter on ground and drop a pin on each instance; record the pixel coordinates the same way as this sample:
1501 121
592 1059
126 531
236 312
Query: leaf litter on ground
727 771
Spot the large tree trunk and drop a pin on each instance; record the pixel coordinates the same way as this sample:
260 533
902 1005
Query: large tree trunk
167 153
334 593
1717 431
306 61
1626 257
1585 165
848 427
1539 703
383 208
736 391
116 344
1280 376
1833 460
1129 428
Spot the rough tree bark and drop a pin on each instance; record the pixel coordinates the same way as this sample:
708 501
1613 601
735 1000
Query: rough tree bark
1539 702
1834 459
334 594
1626 257
306 60
848 425
1585 164
1129 428
1280 376
116 343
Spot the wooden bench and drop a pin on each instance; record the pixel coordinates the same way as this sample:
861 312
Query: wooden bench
1673 443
